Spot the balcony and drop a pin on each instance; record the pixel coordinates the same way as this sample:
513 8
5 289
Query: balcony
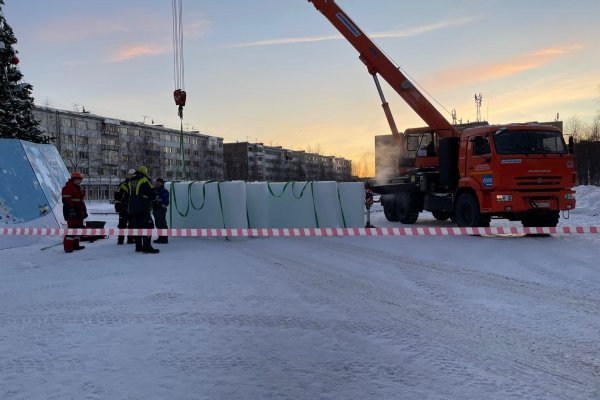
109 147
111 133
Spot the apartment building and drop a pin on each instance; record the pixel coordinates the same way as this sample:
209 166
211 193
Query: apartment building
257 162
103 149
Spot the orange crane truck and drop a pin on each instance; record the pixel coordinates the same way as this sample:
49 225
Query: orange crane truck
522 172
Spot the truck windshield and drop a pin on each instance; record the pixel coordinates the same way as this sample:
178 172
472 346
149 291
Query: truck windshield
529 142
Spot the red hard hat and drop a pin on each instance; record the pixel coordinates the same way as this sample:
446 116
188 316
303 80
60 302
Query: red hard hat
76 175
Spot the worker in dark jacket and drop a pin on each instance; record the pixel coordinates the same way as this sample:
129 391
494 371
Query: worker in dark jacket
121 197
141 195
74 210
159 209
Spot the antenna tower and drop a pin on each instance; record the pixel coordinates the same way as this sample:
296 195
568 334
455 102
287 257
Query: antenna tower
478 101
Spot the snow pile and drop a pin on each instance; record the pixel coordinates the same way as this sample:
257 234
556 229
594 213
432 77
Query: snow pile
588 200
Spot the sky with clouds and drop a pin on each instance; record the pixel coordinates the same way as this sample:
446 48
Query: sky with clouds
277 72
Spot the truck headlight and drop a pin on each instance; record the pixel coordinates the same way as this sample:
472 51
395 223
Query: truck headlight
570 196
504 197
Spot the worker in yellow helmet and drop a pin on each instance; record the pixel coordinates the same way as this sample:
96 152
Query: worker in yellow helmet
141 196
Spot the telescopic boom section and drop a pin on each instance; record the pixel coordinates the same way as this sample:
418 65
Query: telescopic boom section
378 63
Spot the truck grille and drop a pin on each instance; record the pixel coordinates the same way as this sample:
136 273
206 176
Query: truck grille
538 180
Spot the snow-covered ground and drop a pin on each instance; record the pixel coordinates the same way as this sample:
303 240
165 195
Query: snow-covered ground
306 318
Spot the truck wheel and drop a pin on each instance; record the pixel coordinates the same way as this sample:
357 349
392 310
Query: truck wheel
441 215
467 212
410 218
552 219
389 208
390 213
404 210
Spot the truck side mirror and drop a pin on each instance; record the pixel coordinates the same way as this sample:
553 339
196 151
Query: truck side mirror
571 144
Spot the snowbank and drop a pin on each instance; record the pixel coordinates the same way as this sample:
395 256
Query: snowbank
588 200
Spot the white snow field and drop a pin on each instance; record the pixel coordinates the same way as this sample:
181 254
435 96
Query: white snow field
306 318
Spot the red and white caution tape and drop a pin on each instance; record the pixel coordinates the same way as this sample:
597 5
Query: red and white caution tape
300 232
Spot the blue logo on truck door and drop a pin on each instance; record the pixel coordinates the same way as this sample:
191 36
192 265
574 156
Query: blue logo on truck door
488 180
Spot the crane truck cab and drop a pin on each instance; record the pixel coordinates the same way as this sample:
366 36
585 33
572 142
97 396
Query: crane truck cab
522 172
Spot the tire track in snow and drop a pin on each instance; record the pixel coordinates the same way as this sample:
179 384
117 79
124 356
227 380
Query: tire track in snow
45 286
343 287
428 317
190 319
28 365
469 277
549 362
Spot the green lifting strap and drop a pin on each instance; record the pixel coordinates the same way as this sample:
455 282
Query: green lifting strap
221 203
176 206
341 208
282 192
312 190
247 216
300 196
190 200
292 188
171 192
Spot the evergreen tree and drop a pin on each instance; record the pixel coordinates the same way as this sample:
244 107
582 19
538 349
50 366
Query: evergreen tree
16 103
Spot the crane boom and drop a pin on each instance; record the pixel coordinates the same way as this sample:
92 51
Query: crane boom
378 63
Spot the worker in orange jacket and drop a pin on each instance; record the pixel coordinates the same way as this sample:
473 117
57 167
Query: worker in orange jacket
74 210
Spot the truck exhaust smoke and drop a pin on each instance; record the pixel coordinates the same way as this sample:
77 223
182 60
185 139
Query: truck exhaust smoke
387 156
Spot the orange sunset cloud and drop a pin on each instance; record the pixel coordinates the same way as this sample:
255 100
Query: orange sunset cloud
138 50
496 70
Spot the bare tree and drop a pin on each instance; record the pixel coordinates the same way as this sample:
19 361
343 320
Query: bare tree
587 149
576 128
145 151
359 168
594 128
76 148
